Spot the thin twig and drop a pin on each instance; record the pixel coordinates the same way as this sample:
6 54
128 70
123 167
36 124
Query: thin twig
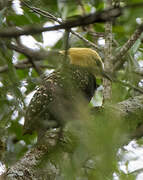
96 34
42 12
119 57
130 85
86 41
54 18
136 171
35 66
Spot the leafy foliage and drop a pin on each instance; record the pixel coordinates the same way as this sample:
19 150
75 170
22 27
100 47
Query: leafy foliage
93 151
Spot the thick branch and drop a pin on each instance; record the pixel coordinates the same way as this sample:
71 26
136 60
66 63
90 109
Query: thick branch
37 55
130 107
54 18
30 53
103 16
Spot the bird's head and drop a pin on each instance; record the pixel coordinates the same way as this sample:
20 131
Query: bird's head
87 58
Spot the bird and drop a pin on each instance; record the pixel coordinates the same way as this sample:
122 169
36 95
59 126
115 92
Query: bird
55 99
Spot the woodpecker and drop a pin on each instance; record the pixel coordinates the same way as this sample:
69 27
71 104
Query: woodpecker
56 97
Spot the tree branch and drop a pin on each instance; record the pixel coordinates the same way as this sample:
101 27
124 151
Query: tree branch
54 18
118 58
133 106
103 16
37 55
108 55
23 65
24 169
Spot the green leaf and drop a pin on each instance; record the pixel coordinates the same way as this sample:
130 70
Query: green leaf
2 15
16 129
135 47
18 20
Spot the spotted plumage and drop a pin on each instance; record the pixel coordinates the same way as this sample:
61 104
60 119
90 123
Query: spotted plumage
55 100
